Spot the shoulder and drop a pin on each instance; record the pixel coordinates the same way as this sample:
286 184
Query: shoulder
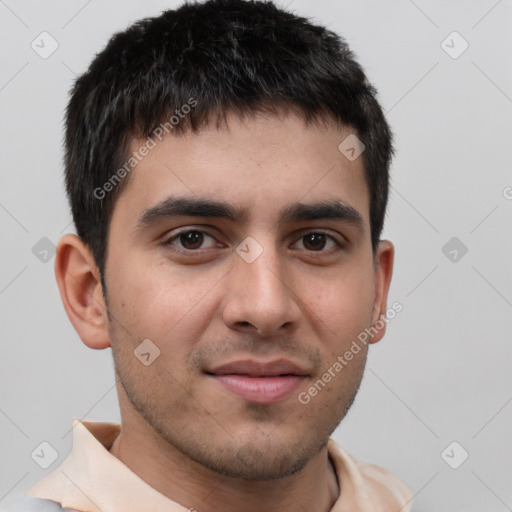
26 504
370 486
385 486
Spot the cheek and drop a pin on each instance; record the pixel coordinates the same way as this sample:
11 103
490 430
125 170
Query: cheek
155 293
170 307
343 302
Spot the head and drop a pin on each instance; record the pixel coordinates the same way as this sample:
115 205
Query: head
220 216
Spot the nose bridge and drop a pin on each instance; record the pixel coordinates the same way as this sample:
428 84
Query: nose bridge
264 274
259 293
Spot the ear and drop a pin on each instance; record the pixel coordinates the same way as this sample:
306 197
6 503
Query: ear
80 289
383 262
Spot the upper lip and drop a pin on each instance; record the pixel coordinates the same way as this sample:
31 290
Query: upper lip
255 368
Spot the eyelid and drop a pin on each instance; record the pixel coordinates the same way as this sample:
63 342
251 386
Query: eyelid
168 240
328 234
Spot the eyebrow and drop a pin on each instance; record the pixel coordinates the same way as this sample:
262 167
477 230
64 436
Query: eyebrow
198 207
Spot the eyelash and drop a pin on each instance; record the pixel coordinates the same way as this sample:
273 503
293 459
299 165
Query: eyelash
168 243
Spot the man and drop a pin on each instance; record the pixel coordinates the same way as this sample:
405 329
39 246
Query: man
227 168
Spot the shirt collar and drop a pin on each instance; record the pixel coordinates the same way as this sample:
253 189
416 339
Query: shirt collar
94 480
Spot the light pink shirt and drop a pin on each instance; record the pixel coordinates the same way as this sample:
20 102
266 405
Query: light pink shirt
92 479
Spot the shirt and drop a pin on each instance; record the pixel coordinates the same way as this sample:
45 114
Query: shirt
92 479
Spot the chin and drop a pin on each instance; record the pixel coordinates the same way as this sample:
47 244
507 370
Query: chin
256 463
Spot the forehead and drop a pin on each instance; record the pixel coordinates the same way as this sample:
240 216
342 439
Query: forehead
258 164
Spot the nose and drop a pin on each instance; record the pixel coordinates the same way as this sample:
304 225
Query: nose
260 296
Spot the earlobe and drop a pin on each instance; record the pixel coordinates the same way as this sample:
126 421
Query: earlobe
383 271
81 291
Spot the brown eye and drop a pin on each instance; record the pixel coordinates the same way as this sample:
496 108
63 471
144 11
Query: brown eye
319 242
314 241
191 239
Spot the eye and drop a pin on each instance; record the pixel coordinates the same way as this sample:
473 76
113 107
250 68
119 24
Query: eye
191 240
194 240
317 241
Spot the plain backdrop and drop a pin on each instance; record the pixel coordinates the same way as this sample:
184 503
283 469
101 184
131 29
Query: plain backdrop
438 387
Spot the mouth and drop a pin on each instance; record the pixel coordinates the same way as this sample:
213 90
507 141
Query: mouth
259 382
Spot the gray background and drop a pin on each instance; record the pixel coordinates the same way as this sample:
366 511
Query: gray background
441 374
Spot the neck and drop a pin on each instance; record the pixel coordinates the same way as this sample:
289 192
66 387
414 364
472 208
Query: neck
176 476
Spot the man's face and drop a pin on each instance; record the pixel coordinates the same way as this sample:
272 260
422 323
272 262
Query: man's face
179 281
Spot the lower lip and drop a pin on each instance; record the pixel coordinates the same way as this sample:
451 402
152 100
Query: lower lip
260 389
